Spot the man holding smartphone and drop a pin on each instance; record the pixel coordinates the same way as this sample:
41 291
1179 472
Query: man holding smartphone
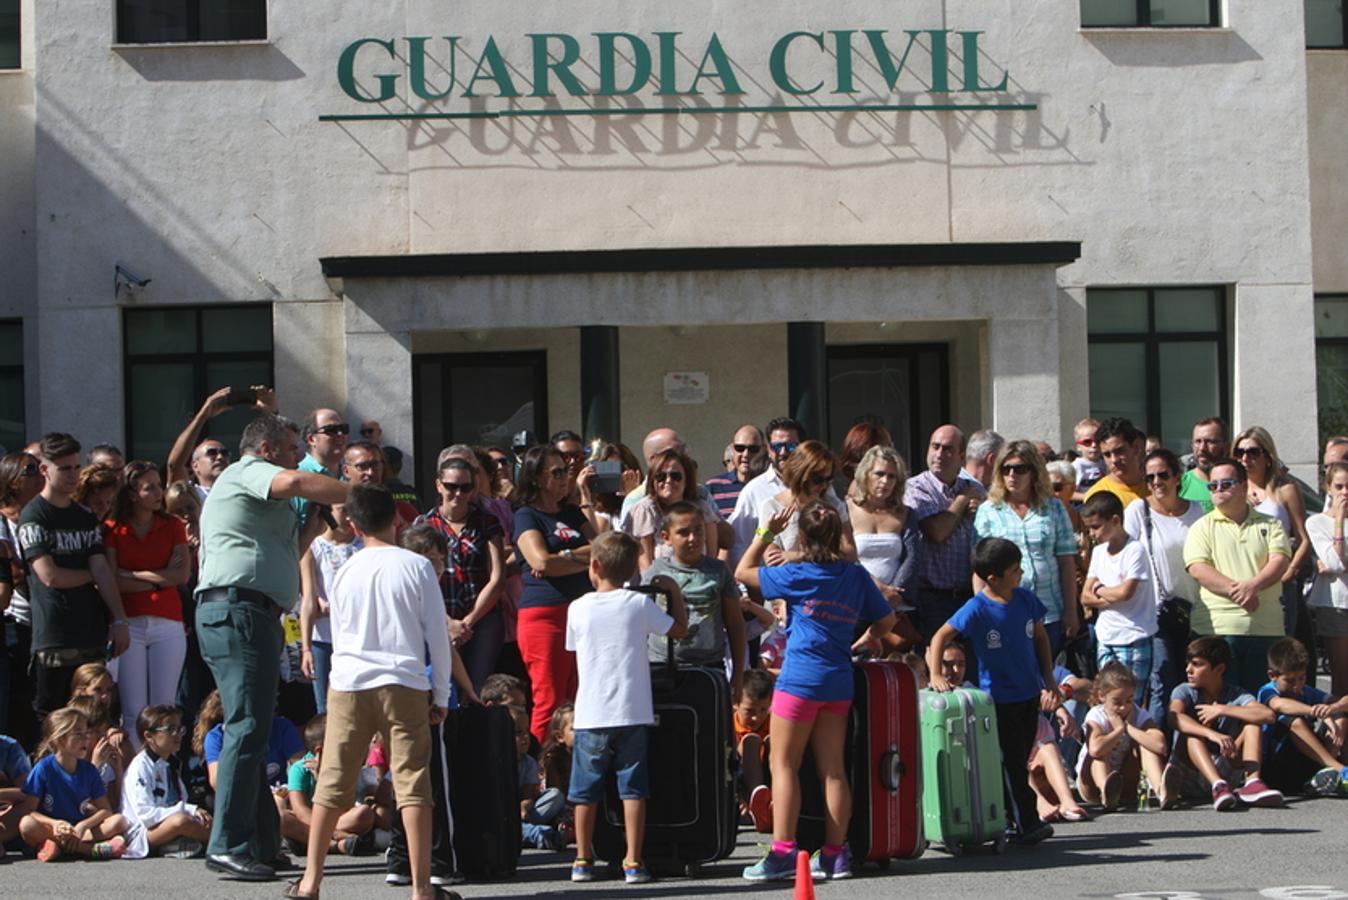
251 542
201 461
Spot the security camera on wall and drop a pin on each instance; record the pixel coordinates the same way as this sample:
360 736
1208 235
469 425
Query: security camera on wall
124 278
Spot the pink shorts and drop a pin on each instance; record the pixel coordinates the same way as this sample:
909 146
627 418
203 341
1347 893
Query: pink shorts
798 709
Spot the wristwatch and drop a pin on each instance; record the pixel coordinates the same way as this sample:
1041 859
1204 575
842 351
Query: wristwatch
569 554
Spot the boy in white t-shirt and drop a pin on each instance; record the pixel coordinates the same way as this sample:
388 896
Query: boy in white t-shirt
607 629
1119 586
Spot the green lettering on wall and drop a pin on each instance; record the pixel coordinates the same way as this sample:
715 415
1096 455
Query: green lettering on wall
346 73
543 64
722 69
492 67
608 63
777 63
889 70
416 68
940 61
669 54
842 42
972 82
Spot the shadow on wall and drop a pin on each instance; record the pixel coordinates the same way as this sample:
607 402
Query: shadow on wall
235 62
1200 47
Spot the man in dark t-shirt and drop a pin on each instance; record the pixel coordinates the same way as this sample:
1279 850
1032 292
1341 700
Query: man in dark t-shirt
71 589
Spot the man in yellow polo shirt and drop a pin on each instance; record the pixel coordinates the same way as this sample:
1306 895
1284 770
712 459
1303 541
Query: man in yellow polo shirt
1122 447
1238 557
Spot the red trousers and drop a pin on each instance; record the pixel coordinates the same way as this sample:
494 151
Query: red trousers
551 667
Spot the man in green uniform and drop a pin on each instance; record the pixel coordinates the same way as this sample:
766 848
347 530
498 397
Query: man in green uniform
251 541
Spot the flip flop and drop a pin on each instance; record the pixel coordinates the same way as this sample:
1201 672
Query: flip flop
293 891
1074 815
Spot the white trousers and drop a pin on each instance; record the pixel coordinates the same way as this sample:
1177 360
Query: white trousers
148 672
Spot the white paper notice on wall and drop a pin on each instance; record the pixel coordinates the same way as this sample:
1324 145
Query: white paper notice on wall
687 387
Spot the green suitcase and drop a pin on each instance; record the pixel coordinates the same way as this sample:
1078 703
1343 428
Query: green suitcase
962 796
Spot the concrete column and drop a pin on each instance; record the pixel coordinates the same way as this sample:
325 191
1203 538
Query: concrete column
1023 364
1274 366
807 377
1073 364
600 387
379 386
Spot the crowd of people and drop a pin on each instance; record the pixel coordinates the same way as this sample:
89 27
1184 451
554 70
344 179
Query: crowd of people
1149 626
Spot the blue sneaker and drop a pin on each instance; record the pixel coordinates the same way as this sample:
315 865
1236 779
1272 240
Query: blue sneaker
635 873
1343 783
831 868
582 869
772 867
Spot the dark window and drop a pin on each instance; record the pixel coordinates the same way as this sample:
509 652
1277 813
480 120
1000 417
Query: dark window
1325 26
1158 356
12 431
474 398
1331 364
1151 13
904 387
168 21
176 356
9 34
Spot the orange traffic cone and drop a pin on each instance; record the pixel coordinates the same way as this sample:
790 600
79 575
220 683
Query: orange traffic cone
804 880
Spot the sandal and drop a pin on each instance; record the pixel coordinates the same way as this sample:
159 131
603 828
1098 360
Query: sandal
442 894
293 890
1074 814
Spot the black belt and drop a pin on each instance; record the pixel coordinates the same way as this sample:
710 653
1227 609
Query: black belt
240 595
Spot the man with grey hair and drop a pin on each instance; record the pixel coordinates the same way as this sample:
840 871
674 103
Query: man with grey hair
251 542
201 461
979 455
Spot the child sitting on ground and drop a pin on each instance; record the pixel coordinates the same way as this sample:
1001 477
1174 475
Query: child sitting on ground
710 595
14 803
753 718
109 744
607 629
1304 745
1121 740
1005 624
153 792
354 832
501 689
1118 585
539 809
555 762
72 816
1216 733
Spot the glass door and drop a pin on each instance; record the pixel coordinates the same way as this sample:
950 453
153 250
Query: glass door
904 387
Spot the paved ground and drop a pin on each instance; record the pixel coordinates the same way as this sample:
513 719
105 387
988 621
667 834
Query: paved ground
1295 852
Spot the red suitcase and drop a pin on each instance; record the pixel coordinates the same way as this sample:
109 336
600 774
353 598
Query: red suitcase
884 768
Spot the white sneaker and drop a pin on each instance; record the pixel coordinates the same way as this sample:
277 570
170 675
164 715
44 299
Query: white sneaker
397 879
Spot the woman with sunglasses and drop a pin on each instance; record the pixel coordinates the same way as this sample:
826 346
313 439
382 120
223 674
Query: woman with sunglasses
147 549
20 481
474 567
808 474
1022 509
1273 493
672 477
552 539
1161 523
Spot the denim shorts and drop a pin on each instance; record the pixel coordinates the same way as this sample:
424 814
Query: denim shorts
599 751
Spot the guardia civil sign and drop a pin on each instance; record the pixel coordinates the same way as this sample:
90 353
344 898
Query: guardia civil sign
608 73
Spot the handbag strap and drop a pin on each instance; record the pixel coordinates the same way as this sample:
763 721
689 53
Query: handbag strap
1151 555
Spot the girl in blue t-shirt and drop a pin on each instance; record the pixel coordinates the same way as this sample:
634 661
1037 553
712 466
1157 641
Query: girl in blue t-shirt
72 815
826 597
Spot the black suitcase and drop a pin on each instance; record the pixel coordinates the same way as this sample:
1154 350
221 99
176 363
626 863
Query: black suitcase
484 790
692 815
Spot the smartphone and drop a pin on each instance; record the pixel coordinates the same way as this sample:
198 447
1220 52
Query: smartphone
241 397
608 477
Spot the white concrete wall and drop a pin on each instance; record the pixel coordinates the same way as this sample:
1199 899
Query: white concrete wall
1176 157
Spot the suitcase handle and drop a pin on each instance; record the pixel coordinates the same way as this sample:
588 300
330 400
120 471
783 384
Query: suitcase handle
892 769
656 593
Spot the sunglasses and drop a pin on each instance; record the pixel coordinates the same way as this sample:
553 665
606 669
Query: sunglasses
1017 468
1057 485
366 432
1250 451
662 477
1086 442
213 452
747 448
575 455
784 446
1157 476
30 471
821 479
368 465
1224 485
334 430
177 730
457 487
559 471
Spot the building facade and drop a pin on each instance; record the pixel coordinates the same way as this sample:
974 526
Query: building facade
464 221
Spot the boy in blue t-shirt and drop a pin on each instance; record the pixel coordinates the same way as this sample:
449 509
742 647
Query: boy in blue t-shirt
1304 745
1005 626
14 803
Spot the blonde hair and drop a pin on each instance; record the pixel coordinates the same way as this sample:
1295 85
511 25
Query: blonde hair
183 492
212 713
86 675
56 726
1041 490
1084 423
861 481
1260 436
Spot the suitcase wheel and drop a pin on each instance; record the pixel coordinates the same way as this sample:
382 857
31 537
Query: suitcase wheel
693 870
883 864
955 849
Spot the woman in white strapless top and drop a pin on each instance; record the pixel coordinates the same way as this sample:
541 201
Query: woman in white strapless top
886 535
